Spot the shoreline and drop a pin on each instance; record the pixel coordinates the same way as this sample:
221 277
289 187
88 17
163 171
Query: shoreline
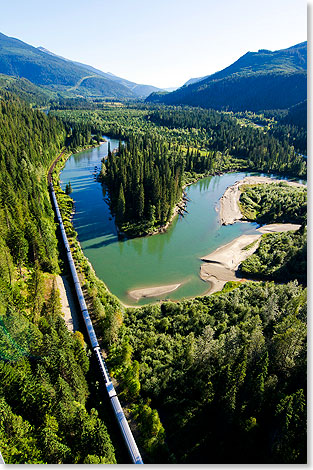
148 292
222 264
229 209
179 207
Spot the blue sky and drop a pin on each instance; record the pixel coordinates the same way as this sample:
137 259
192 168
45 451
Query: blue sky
159 42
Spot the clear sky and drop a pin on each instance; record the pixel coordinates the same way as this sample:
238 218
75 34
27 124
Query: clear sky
156 42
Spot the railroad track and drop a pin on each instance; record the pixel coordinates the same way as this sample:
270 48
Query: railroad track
117 409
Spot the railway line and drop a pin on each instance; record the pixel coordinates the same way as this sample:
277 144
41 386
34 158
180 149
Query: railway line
115 403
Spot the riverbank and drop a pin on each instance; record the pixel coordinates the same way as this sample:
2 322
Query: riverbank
147 292
222 264
229 202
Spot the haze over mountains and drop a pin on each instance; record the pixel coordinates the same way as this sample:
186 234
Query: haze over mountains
257 81
46 69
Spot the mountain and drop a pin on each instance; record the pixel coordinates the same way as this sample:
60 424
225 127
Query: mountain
257 81
45 69
32 94
139 90
194 80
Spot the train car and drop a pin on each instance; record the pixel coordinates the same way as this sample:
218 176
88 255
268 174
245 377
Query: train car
126 432
90 330
118 411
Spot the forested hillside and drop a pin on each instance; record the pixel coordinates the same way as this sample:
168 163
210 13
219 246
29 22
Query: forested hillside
46 408
69 78
257 81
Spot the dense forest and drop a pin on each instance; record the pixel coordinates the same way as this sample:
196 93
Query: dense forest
145 182
227 373
280 256
46 407
269 149
263 151
275 202
196 142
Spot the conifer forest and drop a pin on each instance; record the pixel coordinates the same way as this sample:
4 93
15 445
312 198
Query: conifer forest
218 377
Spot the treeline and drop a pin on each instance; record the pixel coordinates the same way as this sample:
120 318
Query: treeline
28 142
46 412
144 179
287 126
274 202
79 136
205 131
73 103
280 257
263 151
227 373
199 163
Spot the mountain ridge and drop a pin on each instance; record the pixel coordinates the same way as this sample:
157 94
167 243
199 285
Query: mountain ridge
139 89
46 69
257 80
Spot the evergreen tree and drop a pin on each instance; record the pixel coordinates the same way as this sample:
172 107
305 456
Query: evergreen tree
120 209
68 188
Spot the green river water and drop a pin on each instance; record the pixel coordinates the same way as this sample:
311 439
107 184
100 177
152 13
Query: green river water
168 258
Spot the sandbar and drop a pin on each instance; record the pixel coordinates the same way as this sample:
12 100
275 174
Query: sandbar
272 228
222 264
229 207
147 292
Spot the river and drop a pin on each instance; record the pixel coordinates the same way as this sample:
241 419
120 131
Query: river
163 259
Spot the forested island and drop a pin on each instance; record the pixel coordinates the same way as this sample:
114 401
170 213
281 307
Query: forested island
145 182
212 379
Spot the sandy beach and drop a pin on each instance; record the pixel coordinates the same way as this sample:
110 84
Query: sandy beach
222 264
229 207
138 294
